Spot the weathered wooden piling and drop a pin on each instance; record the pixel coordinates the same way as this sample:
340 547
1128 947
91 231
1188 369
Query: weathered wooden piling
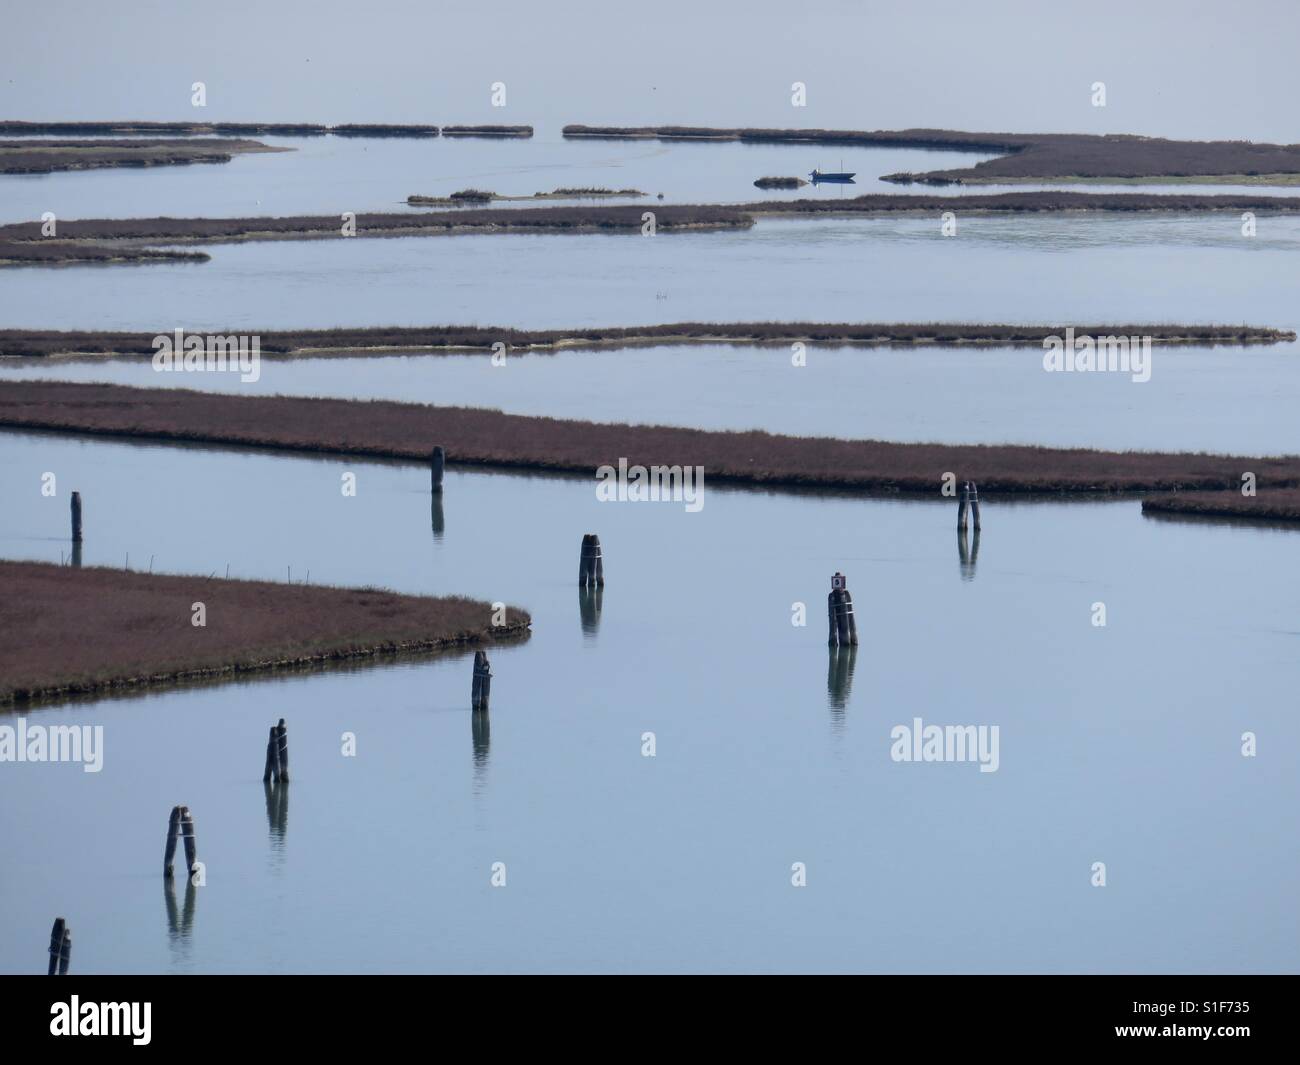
970 497
282 738
187 835
56 944
173 827
839 612
76 517
481 693
591 565
271 774
437 461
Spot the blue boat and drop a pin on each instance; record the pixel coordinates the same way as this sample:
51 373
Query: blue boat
840 179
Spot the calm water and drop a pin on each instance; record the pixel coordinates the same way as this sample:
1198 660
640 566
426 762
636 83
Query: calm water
329 175
1234 400
1069 268
1118 744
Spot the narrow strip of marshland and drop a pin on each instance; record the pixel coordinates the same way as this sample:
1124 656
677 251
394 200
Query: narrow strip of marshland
489 438
71 253
1039 157
383 340
277 129
22 240
606 217
68 630
1270 505
49 156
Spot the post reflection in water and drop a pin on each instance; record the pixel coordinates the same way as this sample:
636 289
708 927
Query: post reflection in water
481 729
968 553
436 517
589 601
277 811
180 924
839 678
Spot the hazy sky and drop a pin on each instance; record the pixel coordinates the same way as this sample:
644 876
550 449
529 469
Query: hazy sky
1174 68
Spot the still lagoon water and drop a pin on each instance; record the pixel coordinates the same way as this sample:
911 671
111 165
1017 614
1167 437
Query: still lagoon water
1229 400
1074 268
1118 744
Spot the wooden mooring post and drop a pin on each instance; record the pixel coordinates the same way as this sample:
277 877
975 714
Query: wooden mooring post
970 497
437 462
271 774
282 741
76 517
591 564
481 694
60 948
839 611
187 837
173 830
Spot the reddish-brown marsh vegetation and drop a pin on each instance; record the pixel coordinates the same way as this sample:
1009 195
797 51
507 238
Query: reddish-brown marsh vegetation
487 131
200 129
610 218
66 629
436 338
1027 156
49 156
61 253
1273 505
490 438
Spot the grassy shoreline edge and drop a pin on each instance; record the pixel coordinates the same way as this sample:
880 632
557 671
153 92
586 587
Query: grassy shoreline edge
381 429
448 339
67 631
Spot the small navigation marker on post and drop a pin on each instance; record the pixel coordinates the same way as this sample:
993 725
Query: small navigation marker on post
839 610
173 829
76 517
57 934
437 461
591 565
482 690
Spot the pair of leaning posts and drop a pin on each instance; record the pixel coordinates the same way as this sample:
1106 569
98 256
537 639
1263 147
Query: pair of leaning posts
843 627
